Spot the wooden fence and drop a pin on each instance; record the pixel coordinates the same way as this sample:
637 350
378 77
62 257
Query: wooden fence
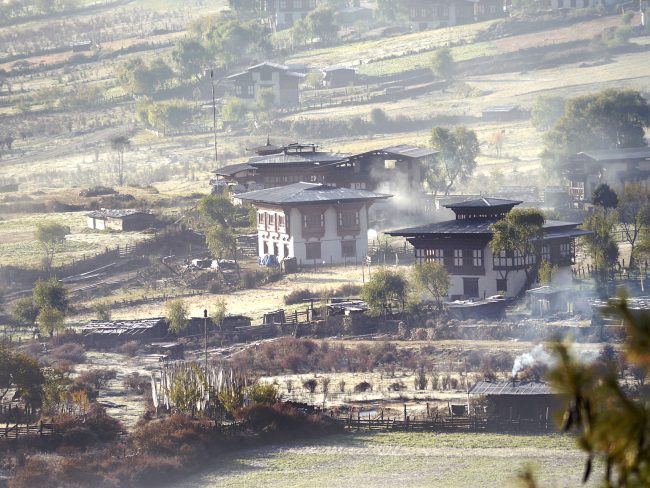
17 431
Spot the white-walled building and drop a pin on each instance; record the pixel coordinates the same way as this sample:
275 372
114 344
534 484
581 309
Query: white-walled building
312 222
463 247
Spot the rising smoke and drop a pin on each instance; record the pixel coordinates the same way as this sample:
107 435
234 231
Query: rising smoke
536 356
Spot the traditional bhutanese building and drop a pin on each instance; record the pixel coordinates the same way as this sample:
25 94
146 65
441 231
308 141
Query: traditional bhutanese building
462 245
312 222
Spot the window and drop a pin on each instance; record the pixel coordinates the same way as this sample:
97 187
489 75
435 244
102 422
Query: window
283 3
349 219
297 4
458 258
260 219
477 258
312 3
280 220
546 254
349 249
313 250
502 285
438 255
265 247
313 222
358 186
470 287
271 220
238 90
251 90
565 250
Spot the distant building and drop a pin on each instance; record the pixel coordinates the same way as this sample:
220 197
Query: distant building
111 333
586 170
501 112
353 14
81 46
399 168
282 14
339 76
463 247
279 78
529 403
312 222
575 4
120 219
428 14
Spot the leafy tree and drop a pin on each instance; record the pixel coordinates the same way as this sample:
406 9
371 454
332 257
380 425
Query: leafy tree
378 118
263 393
605 120
221 241
632 208
18 371
177 314
520 233
266 100
50 320
610 422
140 78
546 112
56 386
320 23
51 294
245 9
25 311
234 110
546 273
187 388
219 312
601 245
190 57
120 144
384 290
51 238
432 278
217 209
458 149
442 64
605 197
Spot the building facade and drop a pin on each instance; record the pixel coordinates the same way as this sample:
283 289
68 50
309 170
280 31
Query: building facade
585 171
282 14
312 222
463 247
430 14
119 219
283 82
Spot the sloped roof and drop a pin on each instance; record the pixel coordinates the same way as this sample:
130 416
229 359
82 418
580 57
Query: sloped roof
617 154
304 192
511 388
121 327
119 213
402 150
485 203
233 169
297 157
501 108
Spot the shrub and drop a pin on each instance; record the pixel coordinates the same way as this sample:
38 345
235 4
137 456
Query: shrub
363 387
137 383
70 352
97 377
298 296
169 436
129 348
310 385
263 393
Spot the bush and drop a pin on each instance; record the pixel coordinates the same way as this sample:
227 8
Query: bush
129 348
298 296
263 393
310 385
97 377
70 352
363 387
137 383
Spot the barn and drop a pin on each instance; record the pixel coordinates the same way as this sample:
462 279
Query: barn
120 219
112 333
530 404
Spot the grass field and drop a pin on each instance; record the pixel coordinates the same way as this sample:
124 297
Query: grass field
401 459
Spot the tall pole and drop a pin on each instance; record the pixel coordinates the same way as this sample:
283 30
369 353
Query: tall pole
214 118
205 338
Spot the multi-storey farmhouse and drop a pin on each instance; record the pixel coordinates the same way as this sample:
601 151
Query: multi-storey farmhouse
281 80
283 13
616 167
312 222
463 247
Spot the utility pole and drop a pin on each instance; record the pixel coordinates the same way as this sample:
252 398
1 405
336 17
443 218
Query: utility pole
205 338
214 119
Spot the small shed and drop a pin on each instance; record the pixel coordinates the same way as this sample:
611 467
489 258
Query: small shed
119 219
112 333
80 46
230 322
518 401
502 112
549 300
169 350
339 76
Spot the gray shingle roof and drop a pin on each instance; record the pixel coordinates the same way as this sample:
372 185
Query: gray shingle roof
403 150
297 157
553 229
511 388
119 327
484 203
616 154
232 169
304 192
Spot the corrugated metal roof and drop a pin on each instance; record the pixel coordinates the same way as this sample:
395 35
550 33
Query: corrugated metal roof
484 203
297 157
128 327
232 169
402 150
511 388
304 192
616 154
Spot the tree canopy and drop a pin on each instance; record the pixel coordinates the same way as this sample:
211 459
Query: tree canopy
442 64
18 371
385 290
605 120
190 57
177 314
520 233
456 159
431 278
601 245
51 238
605 197
633 208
